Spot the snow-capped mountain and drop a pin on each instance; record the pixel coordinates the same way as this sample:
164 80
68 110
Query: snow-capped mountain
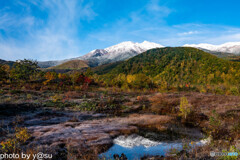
230 47
119 52
128 49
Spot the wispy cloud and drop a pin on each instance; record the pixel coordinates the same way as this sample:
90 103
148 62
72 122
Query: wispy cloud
51 38
188 33
201 33
10 22
142 24
154 6
167 35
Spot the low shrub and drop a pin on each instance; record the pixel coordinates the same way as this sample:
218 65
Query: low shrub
234 91
29 96
87 106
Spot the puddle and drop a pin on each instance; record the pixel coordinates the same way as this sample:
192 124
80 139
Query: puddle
135 146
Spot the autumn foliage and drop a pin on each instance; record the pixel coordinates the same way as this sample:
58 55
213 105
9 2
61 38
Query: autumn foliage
50 76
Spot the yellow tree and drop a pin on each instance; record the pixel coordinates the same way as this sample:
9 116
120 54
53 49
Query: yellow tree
185 107
131 78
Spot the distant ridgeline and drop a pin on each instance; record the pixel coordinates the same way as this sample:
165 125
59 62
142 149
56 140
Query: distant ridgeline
9 63
172 67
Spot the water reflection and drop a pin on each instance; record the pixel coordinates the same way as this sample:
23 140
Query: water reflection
135 147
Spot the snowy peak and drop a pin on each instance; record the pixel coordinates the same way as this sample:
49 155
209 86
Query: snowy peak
124 46
149 45
95 53
119 52
128 45
230 47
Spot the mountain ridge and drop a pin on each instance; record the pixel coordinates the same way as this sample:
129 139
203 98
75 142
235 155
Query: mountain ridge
128 49
4 62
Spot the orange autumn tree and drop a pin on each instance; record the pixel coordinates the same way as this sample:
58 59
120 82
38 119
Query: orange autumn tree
50 76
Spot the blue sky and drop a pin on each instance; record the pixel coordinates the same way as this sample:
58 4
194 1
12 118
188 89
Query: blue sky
60 29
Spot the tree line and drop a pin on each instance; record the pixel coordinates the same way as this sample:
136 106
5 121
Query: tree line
27 71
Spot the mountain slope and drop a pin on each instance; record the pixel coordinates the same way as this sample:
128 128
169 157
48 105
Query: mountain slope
218 54
73 64
234 58
230 47
179 65
47 64
105 68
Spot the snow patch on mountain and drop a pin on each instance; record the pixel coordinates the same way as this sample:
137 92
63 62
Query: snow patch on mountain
230 47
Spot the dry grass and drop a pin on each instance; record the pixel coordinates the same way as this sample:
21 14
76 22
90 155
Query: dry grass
163 104
204 103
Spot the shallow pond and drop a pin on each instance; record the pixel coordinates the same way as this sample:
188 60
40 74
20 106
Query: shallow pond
135 146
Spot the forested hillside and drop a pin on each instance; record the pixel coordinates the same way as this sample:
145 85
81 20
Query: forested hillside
174 67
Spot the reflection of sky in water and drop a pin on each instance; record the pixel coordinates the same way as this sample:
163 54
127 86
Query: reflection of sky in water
135 147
